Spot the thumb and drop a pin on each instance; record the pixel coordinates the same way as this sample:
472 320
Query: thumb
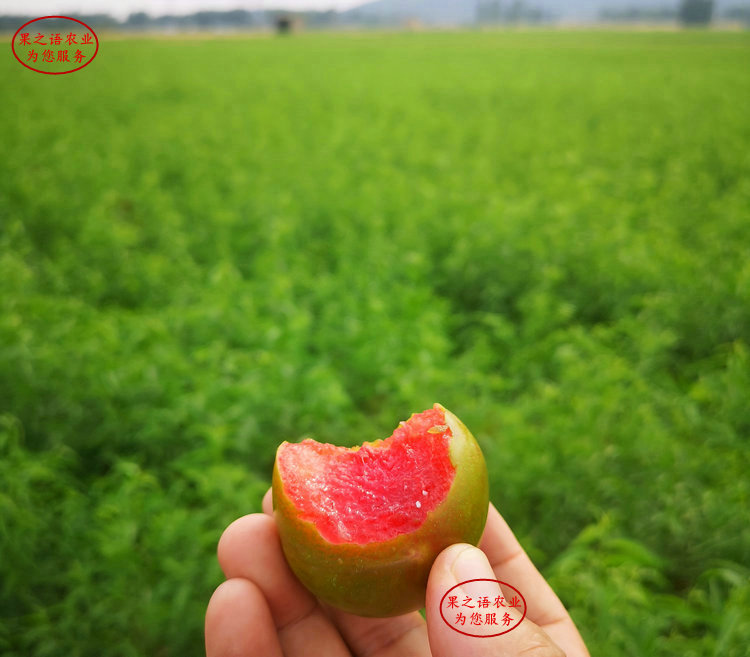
449 637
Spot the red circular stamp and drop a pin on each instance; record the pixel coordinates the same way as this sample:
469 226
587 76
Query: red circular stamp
483 607
55 45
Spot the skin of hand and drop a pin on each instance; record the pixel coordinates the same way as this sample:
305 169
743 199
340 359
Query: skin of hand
262 609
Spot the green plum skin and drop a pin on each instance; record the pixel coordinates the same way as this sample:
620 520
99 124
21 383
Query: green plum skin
388 578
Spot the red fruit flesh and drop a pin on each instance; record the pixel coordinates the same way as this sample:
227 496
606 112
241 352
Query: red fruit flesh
361 527
377 491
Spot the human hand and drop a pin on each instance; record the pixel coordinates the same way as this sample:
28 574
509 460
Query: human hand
262 610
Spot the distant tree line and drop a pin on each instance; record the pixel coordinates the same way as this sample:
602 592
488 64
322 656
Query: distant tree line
690 12
741 14
200 20
509 11
10 23
696 12
234 19
633 14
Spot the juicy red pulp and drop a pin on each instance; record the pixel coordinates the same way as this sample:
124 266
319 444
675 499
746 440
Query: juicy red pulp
374 492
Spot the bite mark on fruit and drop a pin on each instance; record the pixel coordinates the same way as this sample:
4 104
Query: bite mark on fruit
349 494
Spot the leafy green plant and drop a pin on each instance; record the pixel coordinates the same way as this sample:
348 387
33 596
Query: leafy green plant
250 241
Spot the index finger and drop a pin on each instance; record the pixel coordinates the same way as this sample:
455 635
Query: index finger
405 634
249 549
511 564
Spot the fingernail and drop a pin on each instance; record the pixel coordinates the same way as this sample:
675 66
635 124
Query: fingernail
471 563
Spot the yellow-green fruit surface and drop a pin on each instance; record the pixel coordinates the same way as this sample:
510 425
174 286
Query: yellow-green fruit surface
387 578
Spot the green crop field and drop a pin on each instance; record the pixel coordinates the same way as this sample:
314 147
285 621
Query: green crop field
209 246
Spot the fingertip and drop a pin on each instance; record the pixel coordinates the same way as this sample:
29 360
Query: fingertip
444 575
228 594
268 502
255 527
238 621
448 556
493 523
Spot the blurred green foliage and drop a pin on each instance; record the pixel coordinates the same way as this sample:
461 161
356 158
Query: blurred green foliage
211 246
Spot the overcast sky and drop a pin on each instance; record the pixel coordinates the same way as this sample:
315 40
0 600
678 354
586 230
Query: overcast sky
121 8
